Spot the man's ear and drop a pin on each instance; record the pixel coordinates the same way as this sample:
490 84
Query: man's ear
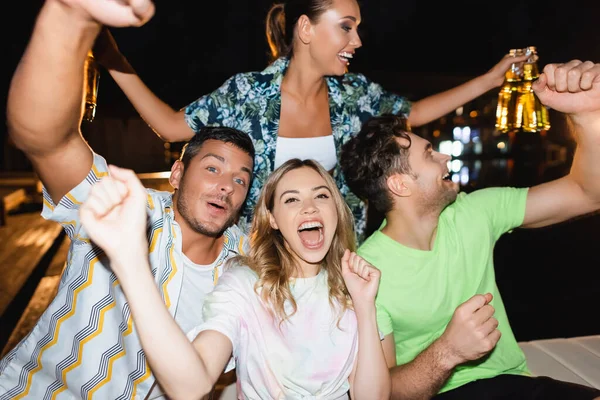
399 185
176 174
304 29
272 221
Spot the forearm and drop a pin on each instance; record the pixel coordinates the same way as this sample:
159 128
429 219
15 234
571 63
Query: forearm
171 356
436 106
585 169
45 100
372 377
423 377
166 122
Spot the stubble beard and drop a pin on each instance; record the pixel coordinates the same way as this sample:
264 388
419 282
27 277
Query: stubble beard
195 224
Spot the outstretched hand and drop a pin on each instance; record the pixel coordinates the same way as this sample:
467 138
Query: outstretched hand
118 13
497 73
361 278
571 88
114 214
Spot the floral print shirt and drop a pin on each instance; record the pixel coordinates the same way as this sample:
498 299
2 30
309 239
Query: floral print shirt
251 102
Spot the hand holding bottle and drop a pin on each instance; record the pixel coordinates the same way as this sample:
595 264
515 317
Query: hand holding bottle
497 73
571 88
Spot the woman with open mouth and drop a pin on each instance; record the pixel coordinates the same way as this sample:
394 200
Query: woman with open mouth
288 315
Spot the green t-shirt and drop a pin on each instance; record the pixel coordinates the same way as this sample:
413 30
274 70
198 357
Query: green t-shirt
420 290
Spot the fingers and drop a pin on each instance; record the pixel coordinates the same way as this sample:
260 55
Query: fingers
572 77
494 337
489 326
475 303
563 74
589 75
111 191
129 179
105 195
483 314
360 267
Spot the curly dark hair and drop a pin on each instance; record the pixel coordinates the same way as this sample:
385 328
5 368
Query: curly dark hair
374 154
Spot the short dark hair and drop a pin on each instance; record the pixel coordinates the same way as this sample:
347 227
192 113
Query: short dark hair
224 134
374 154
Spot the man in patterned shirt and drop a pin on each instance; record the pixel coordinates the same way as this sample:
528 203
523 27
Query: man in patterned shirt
85 344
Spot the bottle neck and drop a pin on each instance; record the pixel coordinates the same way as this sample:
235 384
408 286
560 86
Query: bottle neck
530 71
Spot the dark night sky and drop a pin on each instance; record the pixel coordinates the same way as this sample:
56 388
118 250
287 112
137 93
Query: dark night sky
190 47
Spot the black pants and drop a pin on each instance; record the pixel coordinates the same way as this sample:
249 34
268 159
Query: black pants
517 387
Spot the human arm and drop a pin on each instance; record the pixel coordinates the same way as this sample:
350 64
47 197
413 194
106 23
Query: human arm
430 108
168 123
572 88
45 99
114 216
470 334
370 378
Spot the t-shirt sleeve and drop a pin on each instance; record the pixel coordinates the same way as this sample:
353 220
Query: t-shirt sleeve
66 212
374 100
216 108
384 321
224 307
503 208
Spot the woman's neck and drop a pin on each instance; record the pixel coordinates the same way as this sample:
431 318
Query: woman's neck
302 81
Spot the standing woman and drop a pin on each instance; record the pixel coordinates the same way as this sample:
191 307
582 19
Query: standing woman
297 313
304 104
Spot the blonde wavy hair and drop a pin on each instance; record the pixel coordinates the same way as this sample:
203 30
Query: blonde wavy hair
273 262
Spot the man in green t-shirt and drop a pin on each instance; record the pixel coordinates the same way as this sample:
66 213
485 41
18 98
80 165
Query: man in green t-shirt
446 330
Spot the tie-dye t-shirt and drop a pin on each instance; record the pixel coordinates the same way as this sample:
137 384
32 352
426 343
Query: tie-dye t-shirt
308 356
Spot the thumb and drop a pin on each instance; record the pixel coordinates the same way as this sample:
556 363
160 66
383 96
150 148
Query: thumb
345 259
488 298
476 302
539 86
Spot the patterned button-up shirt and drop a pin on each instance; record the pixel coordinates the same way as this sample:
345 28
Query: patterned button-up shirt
85 344
251 102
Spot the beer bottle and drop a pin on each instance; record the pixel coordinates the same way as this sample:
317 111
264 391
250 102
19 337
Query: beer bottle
91 81
506 110
535 114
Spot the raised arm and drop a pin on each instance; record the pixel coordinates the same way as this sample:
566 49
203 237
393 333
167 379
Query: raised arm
167 123
114 215
572 88
45 99
370 378
436 106
470 335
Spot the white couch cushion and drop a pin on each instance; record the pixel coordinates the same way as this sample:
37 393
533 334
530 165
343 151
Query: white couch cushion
568 359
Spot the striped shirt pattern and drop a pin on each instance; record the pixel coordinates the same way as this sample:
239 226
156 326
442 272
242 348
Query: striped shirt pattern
85 344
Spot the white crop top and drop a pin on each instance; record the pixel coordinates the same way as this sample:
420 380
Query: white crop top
320 149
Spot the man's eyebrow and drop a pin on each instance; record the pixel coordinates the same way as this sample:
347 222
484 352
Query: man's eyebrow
213 155
428 147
